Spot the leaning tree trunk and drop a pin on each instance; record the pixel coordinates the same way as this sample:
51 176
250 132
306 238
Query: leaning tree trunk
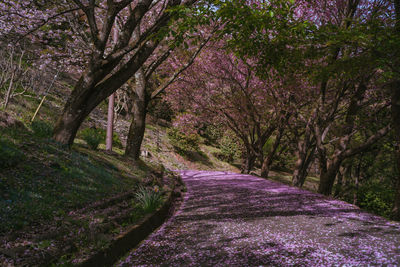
77 108
304 158
266 165
138 124
91 90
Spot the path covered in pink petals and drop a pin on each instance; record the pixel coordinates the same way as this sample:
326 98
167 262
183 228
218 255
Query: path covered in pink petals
230 219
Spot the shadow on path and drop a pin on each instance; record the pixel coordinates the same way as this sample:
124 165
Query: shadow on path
230 219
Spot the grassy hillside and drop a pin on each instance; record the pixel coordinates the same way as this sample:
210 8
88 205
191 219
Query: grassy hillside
60 205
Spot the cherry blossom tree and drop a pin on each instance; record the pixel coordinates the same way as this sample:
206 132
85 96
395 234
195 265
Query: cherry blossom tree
143 25
219 88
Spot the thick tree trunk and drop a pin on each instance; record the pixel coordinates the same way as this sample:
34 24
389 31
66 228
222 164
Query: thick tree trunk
266 165
138 124
77 108
301 158
248 161
328 176
91 90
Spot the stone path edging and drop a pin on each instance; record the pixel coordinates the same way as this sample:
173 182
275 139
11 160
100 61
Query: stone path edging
134 235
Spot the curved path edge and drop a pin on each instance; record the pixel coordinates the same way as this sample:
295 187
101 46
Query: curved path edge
230 219
128 240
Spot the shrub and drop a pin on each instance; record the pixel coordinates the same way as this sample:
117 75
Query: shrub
149 200
42 129
103 134
9 154
183 142
376 197
212 134
230 148
92 137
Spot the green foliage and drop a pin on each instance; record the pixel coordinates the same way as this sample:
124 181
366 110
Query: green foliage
42 129
96 136
149 200
230 148
116 140
376 197
212 134
92 137
9 154
183 142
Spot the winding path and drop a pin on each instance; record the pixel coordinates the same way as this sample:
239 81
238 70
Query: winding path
230 219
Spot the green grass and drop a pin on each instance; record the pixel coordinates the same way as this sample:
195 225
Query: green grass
42 179
149 200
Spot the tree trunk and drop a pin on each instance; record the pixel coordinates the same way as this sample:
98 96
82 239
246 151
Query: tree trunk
110 122
327 177
395 106
248 162
339 184
138 124
395 94
301 158
10 87
304 159
91 90
77 108
268 159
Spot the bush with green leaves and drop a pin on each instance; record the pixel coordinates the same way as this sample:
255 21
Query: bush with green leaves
183 142
92 136
212 134
230 148
376 197
101 135
42 129
9 154
148 199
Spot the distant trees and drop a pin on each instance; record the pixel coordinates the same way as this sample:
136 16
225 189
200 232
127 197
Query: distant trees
328 59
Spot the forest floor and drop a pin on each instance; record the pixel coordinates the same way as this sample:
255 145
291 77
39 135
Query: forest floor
230 219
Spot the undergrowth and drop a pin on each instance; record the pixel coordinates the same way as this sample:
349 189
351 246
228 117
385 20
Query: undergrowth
39 179
149 200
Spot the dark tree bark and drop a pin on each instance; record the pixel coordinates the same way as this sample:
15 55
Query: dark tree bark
248 161
302 164
88 93
395 107
266 165
138 124
105 74
327 177
396 125
305 154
